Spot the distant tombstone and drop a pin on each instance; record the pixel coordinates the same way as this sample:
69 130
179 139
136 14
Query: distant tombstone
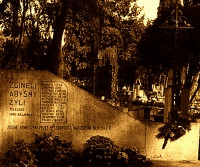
168 96
185 98
103 81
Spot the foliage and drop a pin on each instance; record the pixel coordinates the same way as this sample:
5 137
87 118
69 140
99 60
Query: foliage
34 30
46 151
26 27
175 128
133 157
190 2
20 155
158 54
101 151
87 36
157 47
51 151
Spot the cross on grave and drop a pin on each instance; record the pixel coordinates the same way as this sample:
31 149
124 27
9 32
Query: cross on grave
177 23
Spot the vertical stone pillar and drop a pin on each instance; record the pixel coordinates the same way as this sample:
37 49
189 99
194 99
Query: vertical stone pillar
141 114
168 96
185 97
168 103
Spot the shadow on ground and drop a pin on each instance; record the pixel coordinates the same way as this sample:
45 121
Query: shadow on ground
158 163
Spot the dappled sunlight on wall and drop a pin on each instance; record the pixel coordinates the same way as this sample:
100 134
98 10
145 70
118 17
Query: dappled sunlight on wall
82 116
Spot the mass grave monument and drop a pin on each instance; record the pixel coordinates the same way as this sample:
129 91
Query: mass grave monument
40 102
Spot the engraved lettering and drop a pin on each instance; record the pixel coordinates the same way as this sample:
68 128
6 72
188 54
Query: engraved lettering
11 102
11 126
53 104
24 85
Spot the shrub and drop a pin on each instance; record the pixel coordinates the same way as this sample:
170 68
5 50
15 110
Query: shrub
133 157
100 151
52 152
45 151
20 155
49 151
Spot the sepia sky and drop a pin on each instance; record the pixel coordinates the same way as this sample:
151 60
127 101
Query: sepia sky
150 8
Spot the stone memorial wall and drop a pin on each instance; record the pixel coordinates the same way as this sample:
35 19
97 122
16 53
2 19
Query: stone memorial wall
39 102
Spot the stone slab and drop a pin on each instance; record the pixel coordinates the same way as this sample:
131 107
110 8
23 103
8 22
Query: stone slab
39 102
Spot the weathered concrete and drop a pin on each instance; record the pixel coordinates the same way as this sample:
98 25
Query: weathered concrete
38 102
185 148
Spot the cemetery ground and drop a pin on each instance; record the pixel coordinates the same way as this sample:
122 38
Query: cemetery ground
163 163
160 163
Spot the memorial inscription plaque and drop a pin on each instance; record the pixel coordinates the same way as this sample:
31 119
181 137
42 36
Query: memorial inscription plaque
21 94
53 102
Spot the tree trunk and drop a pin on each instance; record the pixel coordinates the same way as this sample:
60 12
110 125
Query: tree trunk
21 35
15 8
56 64
184 103
195 92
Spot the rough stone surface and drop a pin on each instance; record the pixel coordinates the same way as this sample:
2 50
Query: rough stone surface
38 101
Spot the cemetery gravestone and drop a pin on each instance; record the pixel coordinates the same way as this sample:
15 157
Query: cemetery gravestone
103 81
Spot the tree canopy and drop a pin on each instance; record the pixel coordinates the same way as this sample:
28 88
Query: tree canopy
173 44
157 47
67 36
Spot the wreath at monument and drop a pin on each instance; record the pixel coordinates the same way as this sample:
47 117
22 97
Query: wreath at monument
176 127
